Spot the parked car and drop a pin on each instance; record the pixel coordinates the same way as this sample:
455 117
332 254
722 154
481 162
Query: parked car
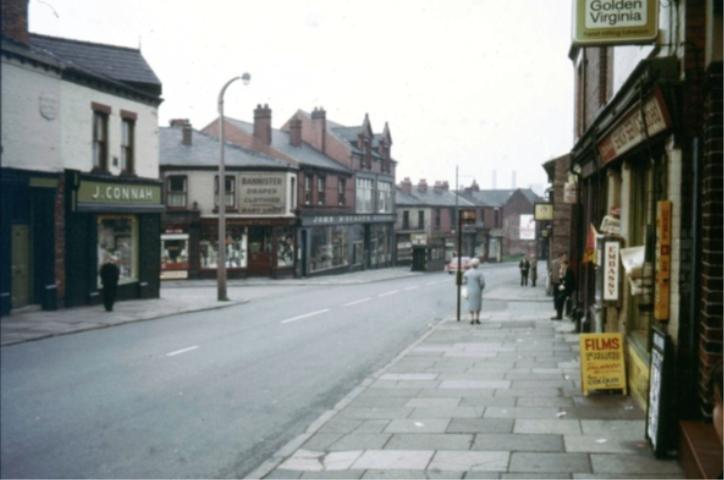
453 265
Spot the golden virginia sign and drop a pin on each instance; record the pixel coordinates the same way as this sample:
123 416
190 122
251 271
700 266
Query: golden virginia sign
615 22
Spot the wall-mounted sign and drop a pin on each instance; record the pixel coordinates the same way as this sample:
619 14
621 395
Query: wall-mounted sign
467 215
615 22
97 195
418 239
570 190
611 271
602 362
630 131
663 260
262 193
543 212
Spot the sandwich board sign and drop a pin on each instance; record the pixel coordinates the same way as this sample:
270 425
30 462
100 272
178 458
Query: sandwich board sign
602 362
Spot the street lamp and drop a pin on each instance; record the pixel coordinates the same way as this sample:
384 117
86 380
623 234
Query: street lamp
221 248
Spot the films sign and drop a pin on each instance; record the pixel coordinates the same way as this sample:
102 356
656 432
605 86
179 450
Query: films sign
602 362
615 22
262 193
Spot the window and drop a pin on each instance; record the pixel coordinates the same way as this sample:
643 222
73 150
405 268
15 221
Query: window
364 195
321 187
421 219
128 134
292 193
436 214
100 140
341 187
328 248
308 189
118 239
176 191
384 197
236 248
496 214
230 191
406 220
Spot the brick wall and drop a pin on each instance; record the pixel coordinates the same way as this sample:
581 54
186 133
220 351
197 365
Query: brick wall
561 235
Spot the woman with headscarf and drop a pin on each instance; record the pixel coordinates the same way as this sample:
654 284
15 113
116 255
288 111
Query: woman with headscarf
475 282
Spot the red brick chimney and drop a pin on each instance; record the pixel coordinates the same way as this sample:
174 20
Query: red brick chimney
262 124
422 185
319 125
406 185
14 15
295 132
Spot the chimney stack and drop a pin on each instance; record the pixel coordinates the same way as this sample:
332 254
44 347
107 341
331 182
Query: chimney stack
295 132
262 124
319 127
14 15
185 126
445 186
406 185
422 186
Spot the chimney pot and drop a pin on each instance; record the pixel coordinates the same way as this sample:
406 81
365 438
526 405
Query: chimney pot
406 185
14 15
422 185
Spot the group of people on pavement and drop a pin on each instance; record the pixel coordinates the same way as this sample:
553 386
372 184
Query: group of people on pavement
528 268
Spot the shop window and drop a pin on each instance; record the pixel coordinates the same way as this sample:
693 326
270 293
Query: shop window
421 219
176 191
236 249
118 240
308 189
230 192
285 247
341 188
406 220
321 188
384 197
100 140
127 145
174 255
364 195
379 245
328 248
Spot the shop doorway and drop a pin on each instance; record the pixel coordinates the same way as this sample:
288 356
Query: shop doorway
260 248
20 264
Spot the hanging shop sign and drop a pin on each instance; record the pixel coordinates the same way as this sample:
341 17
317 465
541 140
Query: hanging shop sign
663 260
602 362
262 194
543 212
99 195
630 131
570 190
611 271
615 22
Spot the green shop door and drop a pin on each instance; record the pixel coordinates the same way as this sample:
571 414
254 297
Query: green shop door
21 271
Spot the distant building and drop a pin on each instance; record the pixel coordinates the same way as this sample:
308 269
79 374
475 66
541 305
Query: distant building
79 179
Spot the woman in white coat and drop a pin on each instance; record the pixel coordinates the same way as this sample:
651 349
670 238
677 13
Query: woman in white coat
475 282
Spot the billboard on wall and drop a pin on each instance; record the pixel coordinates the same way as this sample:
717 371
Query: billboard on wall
526 230
615 22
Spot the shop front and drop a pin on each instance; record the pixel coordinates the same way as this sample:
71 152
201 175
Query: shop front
112 219
339 243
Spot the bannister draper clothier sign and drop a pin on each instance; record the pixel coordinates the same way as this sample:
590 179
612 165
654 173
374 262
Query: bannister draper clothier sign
94 195
615 22
262 194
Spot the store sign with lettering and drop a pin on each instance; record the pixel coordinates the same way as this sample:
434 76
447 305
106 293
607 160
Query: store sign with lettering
602 362
615 22
611 271
663 260
630 132
107 193
262 194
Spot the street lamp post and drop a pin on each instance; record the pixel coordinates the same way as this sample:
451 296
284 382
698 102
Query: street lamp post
221 247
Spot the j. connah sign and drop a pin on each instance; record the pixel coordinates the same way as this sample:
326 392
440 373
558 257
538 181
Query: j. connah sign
615 22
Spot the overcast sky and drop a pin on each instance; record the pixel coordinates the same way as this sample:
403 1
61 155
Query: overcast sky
483 84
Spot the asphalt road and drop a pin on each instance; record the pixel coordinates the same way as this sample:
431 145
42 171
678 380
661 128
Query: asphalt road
210 394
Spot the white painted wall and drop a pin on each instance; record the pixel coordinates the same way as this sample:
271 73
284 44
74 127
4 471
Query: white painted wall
77 131
30 140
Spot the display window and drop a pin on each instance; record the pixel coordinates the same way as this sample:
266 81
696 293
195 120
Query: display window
118 242
328 248
380 245
285 247
174 255
236 249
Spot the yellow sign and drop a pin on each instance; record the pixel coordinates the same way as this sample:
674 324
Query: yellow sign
543 211
602 362
615 22
663 260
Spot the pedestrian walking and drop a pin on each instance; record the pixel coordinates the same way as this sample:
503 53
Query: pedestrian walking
533 270
109 273
524 266
475 283
565 289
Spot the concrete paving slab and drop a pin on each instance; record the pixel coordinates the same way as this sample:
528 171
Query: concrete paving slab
544 402
429 441
410 474
373 412
625 465
518 442
390 392
528 392
340 425
284 474
408 376
447 412
379 402
372 426
549 462
475 401
334 475
537 476
492 461
360 441
426 425
475 384
321 441
604 444
480 425
562 427
626 429
521 412
433 402
393 460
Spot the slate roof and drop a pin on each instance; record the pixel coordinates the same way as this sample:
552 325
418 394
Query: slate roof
204 152
430 198
122 64
498 197
303 154
402 198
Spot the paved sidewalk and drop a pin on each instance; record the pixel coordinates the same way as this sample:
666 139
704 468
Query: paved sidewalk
176 298
499 400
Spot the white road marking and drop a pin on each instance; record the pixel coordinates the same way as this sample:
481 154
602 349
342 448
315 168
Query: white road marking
299 317
361 300
386 294
183 350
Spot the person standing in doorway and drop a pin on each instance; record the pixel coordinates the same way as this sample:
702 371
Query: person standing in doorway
533 270
475 282
109 279
524 266
565 289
